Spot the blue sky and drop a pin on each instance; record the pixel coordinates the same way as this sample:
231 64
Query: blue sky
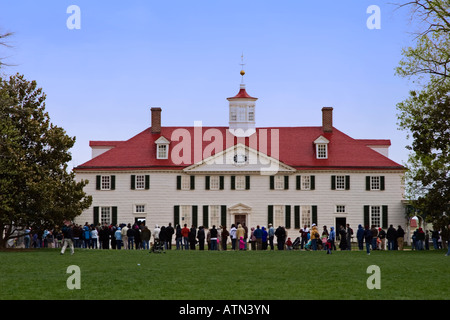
128 56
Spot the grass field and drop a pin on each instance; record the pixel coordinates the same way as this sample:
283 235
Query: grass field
197 275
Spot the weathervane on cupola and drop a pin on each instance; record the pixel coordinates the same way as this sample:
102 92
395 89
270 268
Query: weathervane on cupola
242 110
242 68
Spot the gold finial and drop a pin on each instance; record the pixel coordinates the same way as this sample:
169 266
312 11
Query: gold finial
242 67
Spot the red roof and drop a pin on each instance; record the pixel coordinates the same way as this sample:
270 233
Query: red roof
104 143
242 94
296 149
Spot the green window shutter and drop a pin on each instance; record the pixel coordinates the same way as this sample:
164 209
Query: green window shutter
223 215
221 182
96 216
312 180
114 216
382 183
314 214
195 215
367 216
113 182
297 217
347 182
286 182
298 182
98 184
205 216
193 184
133 182
147 182
247 182
333 182
385 217
178 182
272 182
269 214
207 182
176 215
367 183
287 217
233 182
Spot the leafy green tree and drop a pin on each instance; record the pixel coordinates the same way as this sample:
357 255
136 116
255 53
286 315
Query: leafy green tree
36 187
425 114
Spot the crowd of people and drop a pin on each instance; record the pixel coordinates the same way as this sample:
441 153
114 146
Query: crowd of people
139 236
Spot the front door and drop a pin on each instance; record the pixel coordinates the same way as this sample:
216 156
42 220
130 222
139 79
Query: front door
340 222
240 219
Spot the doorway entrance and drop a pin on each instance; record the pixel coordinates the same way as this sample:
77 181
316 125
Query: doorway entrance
240 213
240 219
340 222
140 221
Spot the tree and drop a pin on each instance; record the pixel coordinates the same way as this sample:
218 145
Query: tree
4 43
426 112
36 188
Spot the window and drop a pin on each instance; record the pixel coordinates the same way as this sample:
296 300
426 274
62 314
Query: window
251 114
240 158
185 182
306 183
162 151
242 114
305 218
139 208
214 183
240 182
233 115
374 183
214 216
321 147
340 182
162 148
278 218
340 209
106 182
105 215
140 182
279 182
375 216
322 151
186 215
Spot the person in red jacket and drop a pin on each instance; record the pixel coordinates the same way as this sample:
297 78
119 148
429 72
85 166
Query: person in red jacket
185 235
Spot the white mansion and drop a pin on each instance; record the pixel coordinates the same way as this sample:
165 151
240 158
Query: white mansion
288 176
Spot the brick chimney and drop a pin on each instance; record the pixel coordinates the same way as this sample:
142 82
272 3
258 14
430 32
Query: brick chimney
327 119
156 120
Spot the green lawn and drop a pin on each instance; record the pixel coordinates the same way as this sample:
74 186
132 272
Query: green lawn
198 275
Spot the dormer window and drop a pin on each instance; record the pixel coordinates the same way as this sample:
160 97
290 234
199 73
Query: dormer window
322 151
162 148
162 151
321 144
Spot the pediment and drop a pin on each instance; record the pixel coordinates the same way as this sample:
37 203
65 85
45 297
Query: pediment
162 140
321 140
239 207
240 158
